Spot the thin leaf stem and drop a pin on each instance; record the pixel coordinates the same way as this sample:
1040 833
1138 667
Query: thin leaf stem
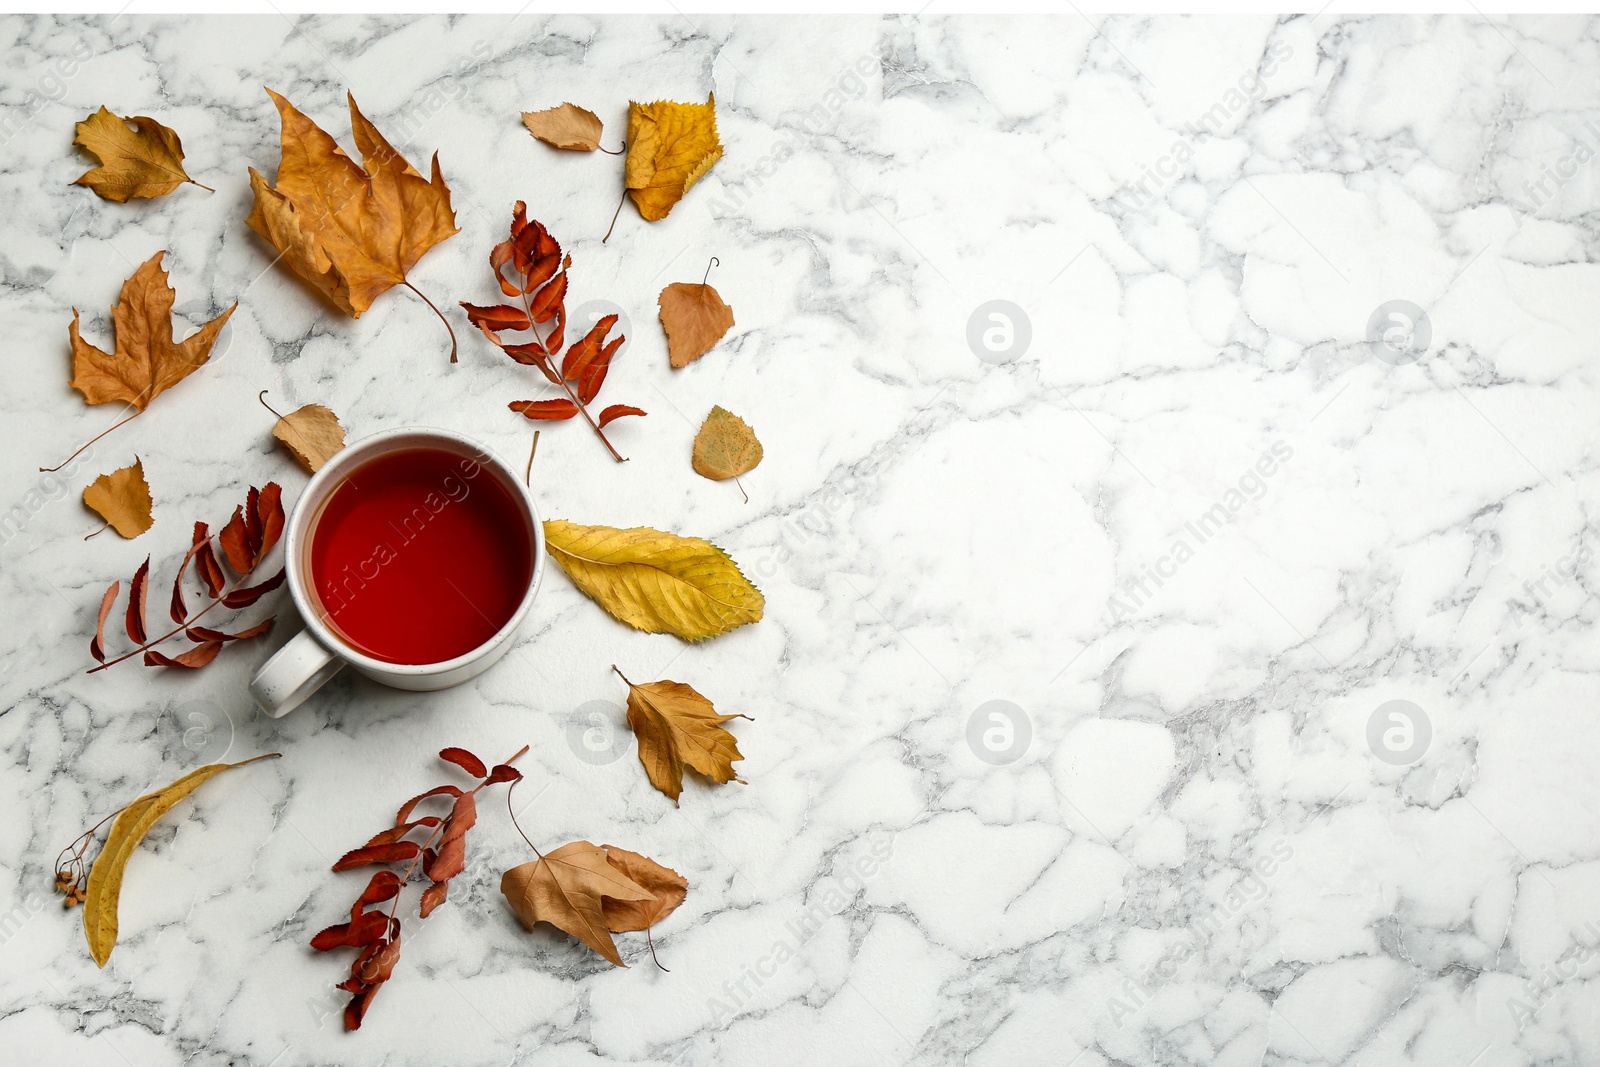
207 188
86 444
439 313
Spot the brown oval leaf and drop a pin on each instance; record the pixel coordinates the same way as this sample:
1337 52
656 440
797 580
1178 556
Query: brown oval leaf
144 159
695 319
123 499
565 126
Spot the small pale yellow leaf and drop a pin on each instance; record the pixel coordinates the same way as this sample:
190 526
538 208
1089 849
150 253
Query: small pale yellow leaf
123 499
654 581
725 447
312 434
129 828
565 126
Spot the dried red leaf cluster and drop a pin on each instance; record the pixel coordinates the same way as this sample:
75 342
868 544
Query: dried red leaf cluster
531 269
245 540
442 856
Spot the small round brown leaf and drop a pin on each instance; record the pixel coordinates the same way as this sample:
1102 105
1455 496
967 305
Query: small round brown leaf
123 499
725 447
312 433
695 319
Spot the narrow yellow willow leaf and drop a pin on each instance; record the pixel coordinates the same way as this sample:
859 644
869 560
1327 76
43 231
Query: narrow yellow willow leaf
135 820
654 581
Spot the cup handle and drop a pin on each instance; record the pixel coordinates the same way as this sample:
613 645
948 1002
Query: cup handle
294 672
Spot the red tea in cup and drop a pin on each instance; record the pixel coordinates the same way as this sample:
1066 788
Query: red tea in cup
419 556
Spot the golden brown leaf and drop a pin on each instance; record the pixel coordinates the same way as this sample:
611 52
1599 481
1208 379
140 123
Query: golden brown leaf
143 160
123 499
668 886
564 889
654 581
695 319
351 232
147 362
725 447
312 433
670 147
135 820
565 126
678 728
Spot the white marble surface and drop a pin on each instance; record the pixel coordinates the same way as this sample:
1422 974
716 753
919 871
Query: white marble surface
1197 859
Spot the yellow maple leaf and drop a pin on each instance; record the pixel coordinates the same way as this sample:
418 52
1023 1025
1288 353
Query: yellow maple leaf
670 147
353 233
678 728
144 159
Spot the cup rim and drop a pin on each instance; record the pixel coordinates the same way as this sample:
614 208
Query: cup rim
345 460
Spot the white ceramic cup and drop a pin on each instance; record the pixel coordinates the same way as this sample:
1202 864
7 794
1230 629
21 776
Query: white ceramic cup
316 654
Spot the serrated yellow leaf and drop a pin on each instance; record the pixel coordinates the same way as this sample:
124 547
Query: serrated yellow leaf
123 499
725 447
654 581
670 147
134 821
312 433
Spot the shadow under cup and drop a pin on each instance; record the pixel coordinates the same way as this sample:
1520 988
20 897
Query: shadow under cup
419 554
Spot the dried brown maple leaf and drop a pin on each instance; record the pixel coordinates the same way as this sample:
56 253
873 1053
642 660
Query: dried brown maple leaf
678 728
695 319
725 447
565 126
312 433
123 499
144 159
245 541
351 232
668 886
565 888
147 361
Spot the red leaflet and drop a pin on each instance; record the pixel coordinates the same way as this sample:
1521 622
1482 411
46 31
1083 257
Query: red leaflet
530 267
545 410
195 658
617 411
247 538
378 935
465 760
136 599
497 317
97 647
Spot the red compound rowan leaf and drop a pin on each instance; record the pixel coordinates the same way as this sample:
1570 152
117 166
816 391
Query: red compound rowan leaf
529 267
246 540
441 854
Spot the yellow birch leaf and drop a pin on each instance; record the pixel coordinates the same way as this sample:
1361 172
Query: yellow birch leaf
123 499
725 447
670 147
